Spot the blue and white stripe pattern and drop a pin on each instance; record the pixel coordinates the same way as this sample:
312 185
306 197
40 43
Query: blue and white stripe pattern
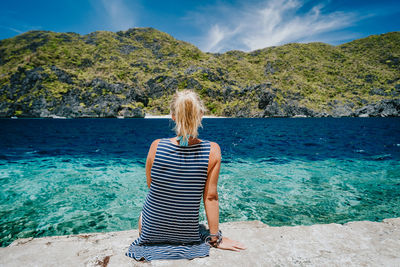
170 214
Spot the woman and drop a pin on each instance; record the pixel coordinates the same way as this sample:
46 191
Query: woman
179 172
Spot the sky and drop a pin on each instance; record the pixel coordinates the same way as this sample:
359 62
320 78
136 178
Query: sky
211 25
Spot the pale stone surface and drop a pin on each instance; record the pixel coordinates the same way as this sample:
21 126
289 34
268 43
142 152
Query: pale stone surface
362 243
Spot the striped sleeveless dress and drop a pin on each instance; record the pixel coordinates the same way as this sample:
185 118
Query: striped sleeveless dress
170 214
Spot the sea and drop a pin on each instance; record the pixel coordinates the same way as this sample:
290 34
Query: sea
71 176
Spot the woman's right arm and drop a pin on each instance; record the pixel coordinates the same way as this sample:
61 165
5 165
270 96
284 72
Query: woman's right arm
210 198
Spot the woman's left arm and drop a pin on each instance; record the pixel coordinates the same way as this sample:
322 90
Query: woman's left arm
150 159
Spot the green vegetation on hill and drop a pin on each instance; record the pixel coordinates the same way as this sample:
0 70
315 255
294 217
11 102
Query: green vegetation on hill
104 74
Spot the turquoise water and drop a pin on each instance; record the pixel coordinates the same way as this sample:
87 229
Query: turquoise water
85 177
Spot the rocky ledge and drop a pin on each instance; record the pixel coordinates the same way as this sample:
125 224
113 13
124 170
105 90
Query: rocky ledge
361 243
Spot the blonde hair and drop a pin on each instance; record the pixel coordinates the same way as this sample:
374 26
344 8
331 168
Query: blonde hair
188 109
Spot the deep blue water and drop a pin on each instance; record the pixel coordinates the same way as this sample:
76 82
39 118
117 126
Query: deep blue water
87 175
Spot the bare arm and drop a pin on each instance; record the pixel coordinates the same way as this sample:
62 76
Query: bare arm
150 159
210 198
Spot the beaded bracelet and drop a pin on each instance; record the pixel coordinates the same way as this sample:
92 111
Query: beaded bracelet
216 242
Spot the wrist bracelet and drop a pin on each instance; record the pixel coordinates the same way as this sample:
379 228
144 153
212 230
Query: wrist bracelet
216 242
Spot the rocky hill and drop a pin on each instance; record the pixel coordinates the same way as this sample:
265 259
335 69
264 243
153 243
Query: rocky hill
130 73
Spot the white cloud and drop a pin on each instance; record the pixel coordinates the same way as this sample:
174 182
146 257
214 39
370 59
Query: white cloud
11 29
217 35
269 23
118 14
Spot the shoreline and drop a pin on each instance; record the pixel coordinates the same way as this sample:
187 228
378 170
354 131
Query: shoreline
147 116
204 117
356 243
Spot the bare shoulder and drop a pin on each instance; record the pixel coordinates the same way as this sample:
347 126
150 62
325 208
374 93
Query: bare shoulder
214 146
153 147
215 151
155 143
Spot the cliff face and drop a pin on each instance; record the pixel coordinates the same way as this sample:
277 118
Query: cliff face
128 73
